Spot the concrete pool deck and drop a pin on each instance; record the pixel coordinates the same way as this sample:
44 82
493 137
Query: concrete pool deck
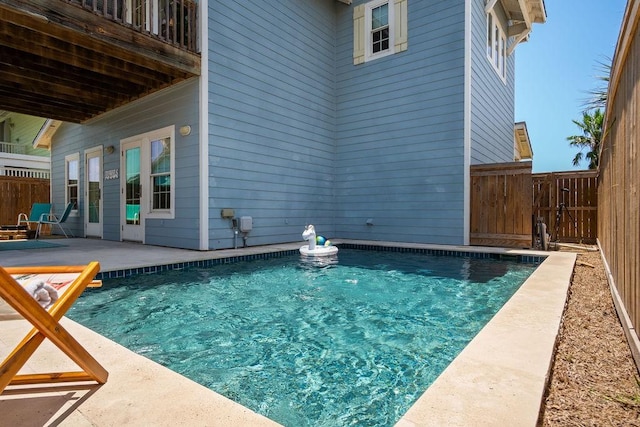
498 379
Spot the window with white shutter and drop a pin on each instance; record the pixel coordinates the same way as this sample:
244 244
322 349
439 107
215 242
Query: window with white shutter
379 29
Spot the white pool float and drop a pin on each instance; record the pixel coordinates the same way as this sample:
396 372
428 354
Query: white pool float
312 249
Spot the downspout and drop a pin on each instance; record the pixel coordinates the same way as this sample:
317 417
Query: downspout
467 123
204 127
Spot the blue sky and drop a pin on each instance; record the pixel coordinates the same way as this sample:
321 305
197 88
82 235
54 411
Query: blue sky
556 68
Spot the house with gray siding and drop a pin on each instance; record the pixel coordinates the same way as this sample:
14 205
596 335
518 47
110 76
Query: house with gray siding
360 117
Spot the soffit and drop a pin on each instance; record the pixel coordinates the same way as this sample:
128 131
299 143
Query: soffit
521 136
43 139
529 11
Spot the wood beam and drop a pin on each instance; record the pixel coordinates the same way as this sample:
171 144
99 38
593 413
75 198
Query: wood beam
77 64
489 6
45 107
60 45
516 29
64 72
86 29
55 52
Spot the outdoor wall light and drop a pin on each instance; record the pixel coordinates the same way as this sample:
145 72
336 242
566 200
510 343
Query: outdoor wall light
185 130
110 149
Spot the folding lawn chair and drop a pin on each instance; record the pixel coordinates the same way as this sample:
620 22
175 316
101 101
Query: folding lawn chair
39 211
52 220
17 285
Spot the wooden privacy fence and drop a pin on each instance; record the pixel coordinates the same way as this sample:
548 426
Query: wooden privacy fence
619 179
500 209
577 192
18 194
506 200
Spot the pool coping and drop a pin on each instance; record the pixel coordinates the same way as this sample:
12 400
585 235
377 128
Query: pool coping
499 378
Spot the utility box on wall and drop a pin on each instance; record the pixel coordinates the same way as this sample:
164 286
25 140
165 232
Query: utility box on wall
246 224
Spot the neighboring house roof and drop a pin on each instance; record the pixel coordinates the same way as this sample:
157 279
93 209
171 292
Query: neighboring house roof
43 139
523 150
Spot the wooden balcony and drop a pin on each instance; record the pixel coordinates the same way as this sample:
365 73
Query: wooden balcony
73 60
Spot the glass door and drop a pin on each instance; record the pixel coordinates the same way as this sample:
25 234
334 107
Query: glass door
132 196
93 193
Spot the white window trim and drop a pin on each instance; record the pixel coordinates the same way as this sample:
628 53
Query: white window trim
168 132
369 55
145 170
68 159
497 56
398 31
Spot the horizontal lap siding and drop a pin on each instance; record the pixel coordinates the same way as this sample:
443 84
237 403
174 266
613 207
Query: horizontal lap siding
174 106
23 128
492 100
400 132
272 118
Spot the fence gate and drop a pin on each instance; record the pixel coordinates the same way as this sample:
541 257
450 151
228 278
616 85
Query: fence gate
501 197
577 191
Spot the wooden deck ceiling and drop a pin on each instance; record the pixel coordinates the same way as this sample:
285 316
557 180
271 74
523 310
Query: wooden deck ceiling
61 61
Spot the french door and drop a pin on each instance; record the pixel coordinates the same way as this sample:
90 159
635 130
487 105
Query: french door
132 195
146 182
93 192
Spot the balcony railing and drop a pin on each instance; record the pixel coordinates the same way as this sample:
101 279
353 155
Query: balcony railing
12 148
173 21
24 172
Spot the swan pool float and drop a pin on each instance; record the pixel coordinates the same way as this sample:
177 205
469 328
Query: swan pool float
318 245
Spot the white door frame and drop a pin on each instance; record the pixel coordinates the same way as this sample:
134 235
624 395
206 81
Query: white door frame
142 194
132 231
93 229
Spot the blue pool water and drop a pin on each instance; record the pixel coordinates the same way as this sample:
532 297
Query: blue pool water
351 342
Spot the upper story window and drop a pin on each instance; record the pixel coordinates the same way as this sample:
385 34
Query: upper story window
379 37
379 29
496 45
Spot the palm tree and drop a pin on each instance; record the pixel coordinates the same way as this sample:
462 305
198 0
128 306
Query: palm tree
591 137
598 96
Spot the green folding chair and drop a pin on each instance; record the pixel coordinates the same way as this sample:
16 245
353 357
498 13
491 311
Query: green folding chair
52 220
39 212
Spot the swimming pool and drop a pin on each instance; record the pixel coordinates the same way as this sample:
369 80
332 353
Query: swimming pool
336 344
